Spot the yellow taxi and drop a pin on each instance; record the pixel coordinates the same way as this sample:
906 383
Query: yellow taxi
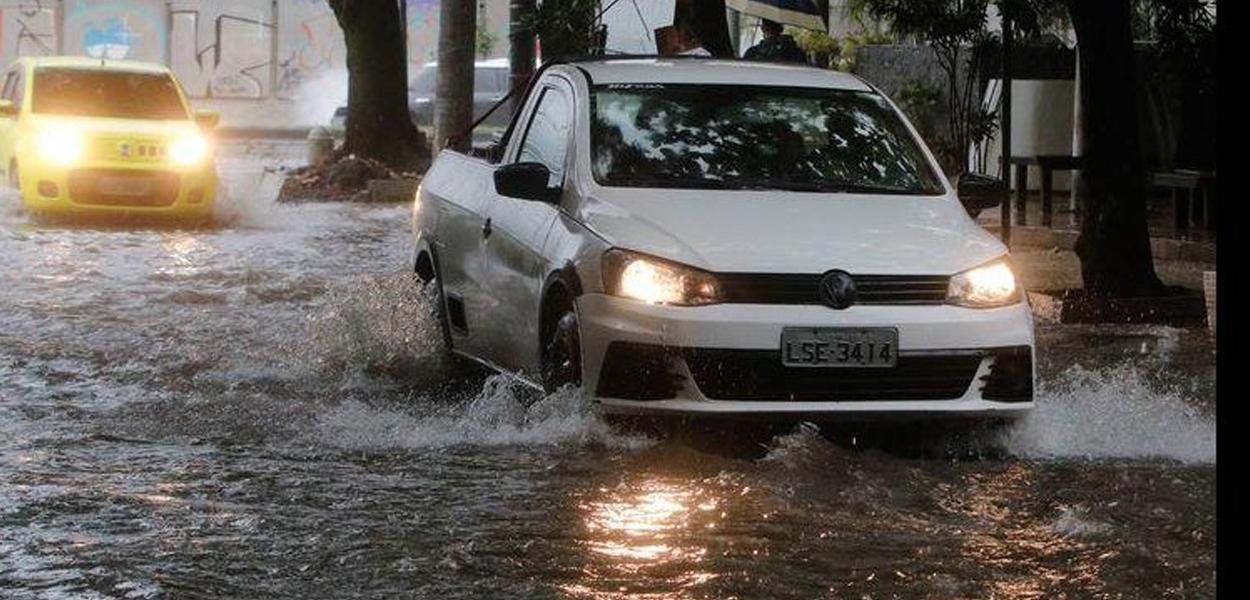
84 137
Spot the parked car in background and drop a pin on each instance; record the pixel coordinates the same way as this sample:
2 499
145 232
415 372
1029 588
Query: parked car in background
490 85
694 237
83 136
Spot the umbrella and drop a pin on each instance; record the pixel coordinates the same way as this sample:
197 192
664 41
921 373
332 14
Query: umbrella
808 14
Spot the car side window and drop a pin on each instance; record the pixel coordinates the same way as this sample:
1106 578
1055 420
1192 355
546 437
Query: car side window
547 139
7 93
19 88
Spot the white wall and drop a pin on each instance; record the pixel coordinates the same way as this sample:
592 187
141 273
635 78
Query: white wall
1041 123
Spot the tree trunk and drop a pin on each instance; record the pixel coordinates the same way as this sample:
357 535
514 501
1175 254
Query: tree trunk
378 122
1114 243
521 50
457 36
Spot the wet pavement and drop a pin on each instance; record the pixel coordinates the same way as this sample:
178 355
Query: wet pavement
257 410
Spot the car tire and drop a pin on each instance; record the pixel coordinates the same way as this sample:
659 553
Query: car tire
562 354
457 367
433 292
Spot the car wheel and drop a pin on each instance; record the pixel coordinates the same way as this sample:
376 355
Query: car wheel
562 354
438 310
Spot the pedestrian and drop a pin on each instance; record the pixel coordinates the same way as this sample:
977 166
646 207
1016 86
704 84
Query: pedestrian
679 40
776 46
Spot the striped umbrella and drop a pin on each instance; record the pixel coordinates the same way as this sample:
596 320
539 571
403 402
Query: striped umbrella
808 14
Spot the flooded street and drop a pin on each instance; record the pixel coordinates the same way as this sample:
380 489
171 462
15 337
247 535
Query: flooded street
259 410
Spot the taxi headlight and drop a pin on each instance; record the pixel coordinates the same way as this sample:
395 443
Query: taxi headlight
657 281
188 149
60 145
986 286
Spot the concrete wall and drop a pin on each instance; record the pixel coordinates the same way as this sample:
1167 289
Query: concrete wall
261 62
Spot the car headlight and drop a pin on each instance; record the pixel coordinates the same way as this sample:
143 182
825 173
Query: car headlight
657 281
986 286
60 145
188 149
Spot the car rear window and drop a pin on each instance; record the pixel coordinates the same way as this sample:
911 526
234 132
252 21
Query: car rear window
108 94
755 137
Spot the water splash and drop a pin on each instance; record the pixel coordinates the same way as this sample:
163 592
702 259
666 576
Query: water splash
496 416
1113 412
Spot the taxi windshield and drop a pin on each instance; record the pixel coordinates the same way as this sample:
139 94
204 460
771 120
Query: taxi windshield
107 94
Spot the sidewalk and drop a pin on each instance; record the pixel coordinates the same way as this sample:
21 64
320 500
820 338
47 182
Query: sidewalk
1195 246
1045 260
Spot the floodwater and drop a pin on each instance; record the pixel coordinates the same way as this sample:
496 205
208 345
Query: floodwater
257 410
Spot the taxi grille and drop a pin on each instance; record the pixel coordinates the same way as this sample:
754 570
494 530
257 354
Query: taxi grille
773 288
128 149
146 189
723 374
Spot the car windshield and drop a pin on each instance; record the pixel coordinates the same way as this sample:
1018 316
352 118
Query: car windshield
746 137
110 94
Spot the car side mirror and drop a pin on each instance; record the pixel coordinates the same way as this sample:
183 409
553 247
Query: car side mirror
7 109
527 181
207 119
978 192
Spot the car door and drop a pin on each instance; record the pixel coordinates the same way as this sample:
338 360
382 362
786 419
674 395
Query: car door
461 189
516 265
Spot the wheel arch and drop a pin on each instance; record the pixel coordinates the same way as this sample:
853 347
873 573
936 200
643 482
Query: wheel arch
425 263
561 289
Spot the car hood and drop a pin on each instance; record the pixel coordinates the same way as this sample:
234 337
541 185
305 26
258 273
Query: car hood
109 126
793 232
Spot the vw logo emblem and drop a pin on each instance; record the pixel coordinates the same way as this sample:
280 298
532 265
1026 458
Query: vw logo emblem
837 289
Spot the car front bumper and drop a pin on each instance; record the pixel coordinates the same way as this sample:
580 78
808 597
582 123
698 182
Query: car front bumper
725 360
174 192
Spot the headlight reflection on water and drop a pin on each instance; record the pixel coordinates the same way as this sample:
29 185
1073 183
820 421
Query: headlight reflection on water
647 531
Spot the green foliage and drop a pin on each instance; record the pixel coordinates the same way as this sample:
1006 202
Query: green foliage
919 97
956 31
830 52
566 28
814 41
846 58
485 42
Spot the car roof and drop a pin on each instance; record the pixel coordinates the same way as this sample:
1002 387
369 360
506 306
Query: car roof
714 71
96 64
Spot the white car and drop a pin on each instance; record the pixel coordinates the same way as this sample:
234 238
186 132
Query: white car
699 236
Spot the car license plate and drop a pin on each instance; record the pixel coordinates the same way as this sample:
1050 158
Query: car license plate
839 346
124 186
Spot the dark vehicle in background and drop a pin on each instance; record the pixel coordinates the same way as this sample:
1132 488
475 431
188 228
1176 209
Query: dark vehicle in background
490 84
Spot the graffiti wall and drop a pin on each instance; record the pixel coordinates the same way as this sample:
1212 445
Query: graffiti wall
229 49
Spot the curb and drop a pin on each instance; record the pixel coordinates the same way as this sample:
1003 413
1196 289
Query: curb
1162 248
252 133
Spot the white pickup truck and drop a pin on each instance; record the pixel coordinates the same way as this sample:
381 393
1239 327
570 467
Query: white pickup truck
696 236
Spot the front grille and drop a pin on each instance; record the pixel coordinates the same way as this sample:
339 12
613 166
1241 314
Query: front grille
129 149
760 375
772 288
84 188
